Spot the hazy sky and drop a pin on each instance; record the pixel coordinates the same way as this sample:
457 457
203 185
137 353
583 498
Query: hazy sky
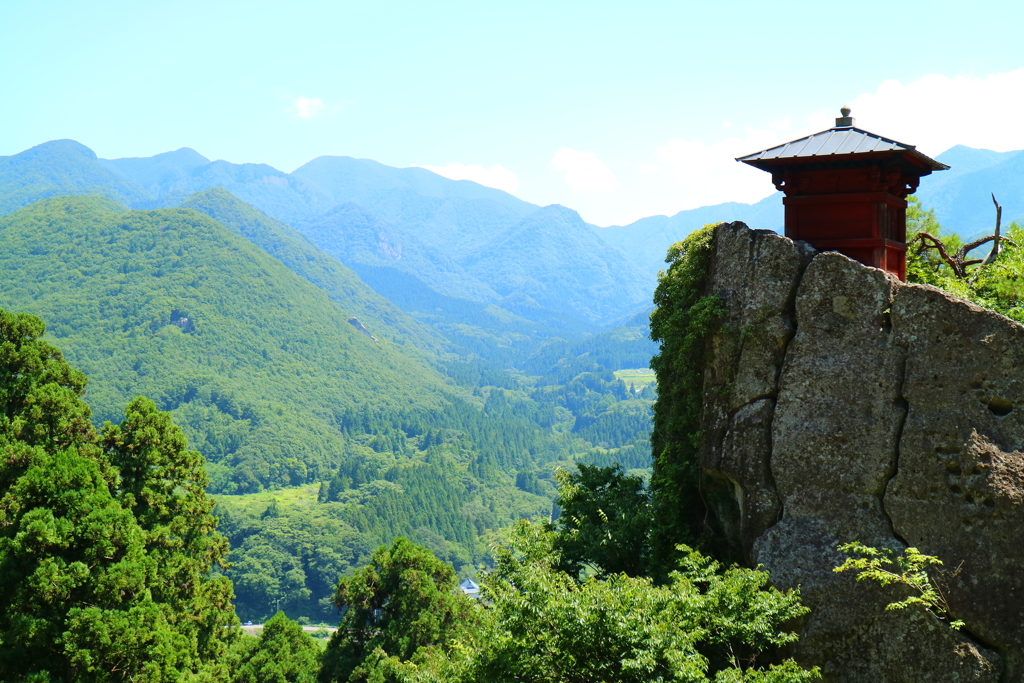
619 110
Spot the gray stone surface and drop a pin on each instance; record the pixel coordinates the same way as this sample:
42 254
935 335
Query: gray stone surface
755 274
849 634
959 491
839 410
738 480
845 397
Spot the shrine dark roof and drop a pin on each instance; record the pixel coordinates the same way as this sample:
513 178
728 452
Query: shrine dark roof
834 142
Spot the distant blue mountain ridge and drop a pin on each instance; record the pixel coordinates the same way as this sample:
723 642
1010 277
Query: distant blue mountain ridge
462 240
457 238
647 240
962 196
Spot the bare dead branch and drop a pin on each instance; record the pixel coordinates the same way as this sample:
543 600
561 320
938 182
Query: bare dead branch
971 246
958 262
941 248
999 217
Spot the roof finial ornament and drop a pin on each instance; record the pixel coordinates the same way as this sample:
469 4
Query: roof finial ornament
845 121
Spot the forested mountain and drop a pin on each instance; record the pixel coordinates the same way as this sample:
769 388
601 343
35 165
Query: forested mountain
171 177
343 286
159 174
57 168
276 387
646 240
372 184
423 223
359 238
255 362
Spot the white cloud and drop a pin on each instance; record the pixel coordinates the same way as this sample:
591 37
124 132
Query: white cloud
311 107
709 174
937 112
496 176
934 113
583 170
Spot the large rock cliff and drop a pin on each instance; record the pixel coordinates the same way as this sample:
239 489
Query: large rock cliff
843 405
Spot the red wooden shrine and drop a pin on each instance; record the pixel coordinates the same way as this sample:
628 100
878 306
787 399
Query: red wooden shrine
846 191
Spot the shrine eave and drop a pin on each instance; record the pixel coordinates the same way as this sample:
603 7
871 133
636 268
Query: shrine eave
845 142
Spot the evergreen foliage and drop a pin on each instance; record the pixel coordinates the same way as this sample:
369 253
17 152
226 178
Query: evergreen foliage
682 323
402 605
256 374
106 540
296 252
624 346
276 389
282 654
57 168
605 522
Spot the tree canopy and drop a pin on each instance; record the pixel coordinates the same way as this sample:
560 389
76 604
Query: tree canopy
282 654
542 624
681 324
401 605
998 284
106 540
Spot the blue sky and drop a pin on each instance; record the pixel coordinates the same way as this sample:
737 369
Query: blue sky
619 110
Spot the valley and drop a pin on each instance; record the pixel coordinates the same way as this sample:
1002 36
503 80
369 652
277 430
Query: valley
358 352
446 424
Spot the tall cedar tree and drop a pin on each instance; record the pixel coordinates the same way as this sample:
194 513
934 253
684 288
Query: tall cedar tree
283 654
402 604
106 541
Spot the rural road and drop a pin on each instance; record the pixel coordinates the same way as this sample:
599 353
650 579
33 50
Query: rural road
255 629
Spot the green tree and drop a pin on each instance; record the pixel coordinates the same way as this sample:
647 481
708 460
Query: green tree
545 626
926 266
90 592
283 654
998 285
604 523
885 567
403 602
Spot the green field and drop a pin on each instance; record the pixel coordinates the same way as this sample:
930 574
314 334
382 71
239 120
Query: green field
638 377
291 495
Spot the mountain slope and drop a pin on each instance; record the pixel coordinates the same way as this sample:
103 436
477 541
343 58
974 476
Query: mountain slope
258 372
60 167
647 240
362 181
562 265
301 257
962 197
441 225
357 237
160 172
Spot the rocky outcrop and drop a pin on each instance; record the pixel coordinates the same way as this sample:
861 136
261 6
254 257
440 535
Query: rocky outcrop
842 405
755 273
354 322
